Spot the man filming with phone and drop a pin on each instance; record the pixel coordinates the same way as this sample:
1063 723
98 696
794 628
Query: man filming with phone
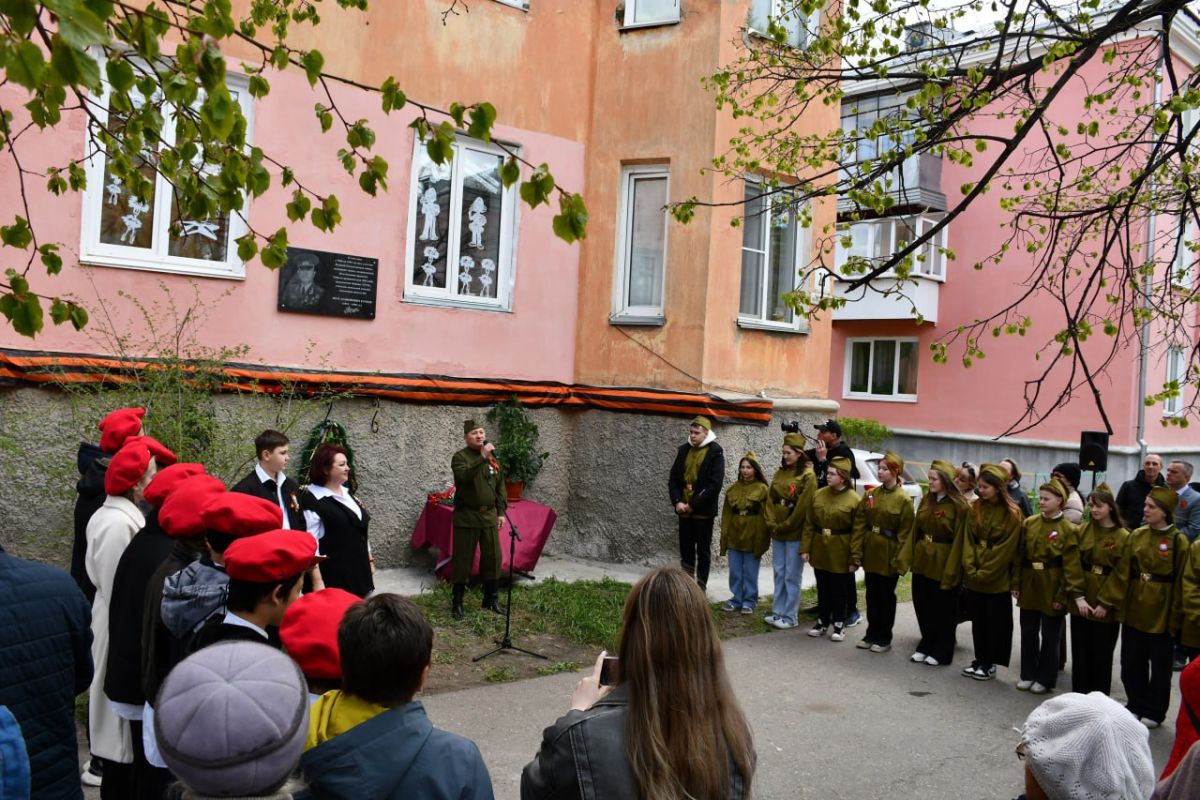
479 506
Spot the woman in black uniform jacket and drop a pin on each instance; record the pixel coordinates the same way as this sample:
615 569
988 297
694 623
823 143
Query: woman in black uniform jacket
338 522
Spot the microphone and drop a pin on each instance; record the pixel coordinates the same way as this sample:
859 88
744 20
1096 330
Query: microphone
491 458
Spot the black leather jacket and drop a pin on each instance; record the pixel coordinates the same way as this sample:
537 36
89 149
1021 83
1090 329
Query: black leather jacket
583 756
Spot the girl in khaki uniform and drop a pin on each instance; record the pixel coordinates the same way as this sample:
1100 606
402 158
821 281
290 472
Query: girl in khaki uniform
833 544
744 532
989 551
1157 552
933 548
790 496
887 516
1047 578
1104 556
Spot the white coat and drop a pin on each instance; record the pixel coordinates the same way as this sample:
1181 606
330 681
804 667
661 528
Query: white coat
108 533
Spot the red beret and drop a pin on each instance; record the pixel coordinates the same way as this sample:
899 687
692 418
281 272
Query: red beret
237 514
272 556
179 515
309 631
167 479
119 425
126 468
162 456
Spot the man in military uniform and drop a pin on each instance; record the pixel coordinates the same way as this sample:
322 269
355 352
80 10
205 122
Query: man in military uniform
479 505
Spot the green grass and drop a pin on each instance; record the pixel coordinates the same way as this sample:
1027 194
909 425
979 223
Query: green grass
499 674
559 666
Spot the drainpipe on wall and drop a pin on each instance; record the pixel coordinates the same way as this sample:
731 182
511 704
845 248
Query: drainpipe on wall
1144 354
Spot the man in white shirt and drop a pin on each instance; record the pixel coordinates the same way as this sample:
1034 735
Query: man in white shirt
269 481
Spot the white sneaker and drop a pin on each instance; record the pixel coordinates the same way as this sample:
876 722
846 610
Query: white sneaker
863 644
880 648
818 630
918 657
88 777
783 624
838 635
770 618
1149 723
932 662
1024 686
1037 688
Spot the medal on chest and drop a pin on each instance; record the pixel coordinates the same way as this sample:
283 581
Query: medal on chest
1109 544
1164 548
871 500
1052 536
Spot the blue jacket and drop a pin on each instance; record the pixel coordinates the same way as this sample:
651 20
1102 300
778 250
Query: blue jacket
1187 513
396 755
46 650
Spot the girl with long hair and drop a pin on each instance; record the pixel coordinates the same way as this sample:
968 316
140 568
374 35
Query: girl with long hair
833 544
992 538
744 533
933 548
670 728
1047 578
1096 623
1158 552
887 516
788 501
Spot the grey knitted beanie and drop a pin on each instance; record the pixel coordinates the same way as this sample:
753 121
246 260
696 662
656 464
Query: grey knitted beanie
231 719
1087 746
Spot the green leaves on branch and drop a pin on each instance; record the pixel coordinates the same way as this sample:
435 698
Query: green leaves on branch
570 223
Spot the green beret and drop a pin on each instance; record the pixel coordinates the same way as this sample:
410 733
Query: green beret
893 458
996 471
944 467
1055 486
794 441
842 463
1166 499
470 425
703 422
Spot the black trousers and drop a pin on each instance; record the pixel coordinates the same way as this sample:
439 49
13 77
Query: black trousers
147 782
937 617
1145 672
851 594
1039 647
881 607
695 547
831 597
117 783
991 627
1092 645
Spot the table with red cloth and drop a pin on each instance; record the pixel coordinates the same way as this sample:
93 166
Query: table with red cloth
534 521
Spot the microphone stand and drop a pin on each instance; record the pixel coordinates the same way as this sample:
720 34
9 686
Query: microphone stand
506 642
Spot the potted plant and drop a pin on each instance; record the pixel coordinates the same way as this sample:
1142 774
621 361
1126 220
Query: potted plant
516 444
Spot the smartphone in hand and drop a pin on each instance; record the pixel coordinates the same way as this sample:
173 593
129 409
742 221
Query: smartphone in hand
608 671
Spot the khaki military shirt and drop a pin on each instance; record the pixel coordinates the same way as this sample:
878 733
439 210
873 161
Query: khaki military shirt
887 521
744 518
1156 566
1104 557
478 490
833 533
1048 571
934 547
990 548
788 502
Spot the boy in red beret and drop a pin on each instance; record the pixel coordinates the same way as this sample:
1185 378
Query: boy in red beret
309 633
264 579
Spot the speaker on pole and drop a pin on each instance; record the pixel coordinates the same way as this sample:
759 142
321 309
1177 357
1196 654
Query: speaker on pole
1093 451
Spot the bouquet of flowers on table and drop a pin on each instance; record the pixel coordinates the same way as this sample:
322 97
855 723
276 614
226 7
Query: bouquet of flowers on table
443 498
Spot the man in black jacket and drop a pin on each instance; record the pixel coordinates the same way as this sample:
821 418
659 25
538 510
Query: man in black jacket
694 485
1131 497
46 650
269 480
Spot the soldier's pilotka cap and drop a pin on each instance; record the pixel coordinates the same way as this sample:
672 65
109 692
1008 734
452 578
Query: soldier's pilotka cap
841 463
996 471
794 441
894 460
703 422
1166 499
1104 490
945 467
470 425
1055 486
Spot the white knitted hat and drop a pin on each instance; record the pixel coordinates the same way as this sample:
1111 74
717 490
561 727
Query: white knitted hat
1081 747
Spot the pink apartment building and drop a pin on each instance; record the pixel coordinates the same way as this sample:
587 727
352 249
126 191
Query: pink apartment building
881 365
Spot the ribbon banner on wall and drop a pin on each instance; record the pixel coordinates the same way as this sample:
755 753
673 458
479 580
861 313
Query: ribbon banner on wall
42 368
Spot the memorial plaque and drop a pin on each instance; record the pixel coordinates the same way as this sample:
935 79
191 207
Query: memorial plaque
331 284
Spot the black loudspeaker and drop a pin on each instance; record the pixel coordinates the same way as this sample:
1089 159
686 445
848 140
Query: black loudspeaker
1093 451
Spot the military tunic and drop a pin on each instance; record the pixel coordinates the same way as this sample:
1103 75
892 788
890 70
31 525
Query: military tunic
478 499
789 499
887 518
933 548
743 518
1048 569
1104 557
1156 562
833 533
990 548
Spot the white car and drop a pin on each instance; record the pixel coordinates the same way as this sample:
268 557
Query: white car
868 474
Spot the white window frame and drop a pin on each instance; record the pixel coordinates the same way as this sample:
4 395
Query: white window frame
1175 371
623 313
522 5
630 20
774 8
848 360
1184 265
803 251
156 258
882 238
505 269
